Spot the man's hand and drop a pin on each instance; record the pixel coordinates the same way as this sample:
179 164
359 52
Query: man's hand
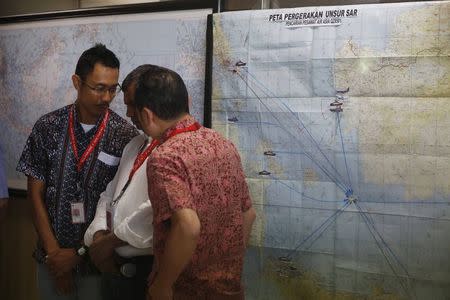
3 208
64 284
108 265
99 234
178 251
159 291
249 217
102 251
62 261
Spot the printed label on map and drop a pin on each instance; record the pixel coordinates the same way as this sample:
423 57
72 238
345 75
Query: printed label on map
295 19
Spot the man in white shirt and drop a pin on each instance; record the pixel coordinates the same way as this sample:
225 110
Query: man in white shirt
120 236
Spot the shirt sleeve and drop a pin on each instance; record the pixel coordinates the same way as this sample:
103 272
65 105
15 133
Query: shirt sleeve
99 221
137 228
168 186
246 201
34 159
3 183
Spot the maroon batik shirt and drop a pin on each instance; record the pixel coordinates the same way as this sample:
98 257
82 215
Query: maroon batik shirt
200 170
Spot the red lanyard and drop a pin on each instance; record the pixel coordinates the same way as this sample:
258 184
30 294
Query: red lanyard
142 157
144 154
95 140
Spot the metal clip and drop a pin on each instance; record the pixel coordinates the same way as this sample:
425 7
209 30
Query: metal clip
128 270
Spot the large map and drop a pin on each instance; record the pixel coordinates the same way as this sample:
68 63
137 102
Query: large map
342 119
37 60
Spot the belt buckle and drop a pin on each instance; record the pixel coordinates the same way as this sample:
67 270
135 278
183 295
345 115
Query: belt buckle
128 270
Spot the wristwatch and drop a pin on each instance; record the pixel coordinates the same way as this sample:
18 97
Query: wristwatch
82 251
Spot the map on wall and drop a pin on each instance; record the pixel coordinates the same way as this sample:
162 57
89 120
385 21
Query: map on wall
37 60
341 115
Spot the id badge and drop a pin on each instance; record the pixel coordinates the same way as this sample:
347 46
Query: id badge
109 216
77 211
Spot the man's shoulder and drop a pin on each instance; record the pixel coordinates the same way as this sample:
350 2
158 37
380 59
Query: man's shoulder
189 144
53 119
117 122
213 136
211 133
119 133
139 139
216 144
121 128
136 142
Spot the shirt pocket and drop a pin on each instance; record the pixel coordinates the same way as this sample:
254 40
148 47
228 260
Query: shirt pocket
102 174
108 159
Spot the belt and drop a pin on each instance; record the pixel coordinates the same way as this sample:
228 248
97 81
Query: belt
137 266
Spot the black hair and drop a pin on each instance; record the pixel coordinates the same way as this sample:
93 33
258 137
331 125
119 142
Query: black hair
97 54
133 76
163 92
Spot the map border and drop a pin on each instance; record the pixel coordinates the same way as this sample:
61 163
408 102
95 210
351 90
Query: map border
128 9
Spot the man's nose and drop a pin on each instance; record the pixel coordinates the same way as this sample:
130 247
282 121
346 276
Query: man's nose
107 96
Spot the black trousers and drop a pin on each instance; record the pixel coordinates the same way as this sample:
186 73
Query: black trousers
119 287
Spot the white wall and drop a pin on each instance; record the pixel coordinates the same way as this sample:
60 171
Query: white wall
97 3
16 7
19 7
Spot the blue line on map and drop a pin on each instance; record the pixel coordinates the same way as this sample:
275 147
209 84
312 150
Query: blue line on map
321 167
343 150
408 202
270 94
315 199
257 123
332 218
381 248
326 227
335 180
300 193
382 240
290 152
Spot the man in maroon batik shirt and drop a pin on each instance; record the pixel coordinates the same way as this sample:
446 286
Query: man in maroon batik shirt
202 209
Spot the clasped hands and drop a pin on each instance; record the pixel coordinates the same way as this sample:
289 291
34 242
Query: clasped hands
60 263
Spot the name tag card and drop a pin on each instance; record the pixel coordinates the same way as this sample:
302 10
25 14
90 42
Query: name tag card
77 211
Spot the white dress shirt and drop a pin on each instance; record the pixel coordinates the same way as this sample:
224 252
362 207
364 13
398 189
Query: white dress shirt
132 215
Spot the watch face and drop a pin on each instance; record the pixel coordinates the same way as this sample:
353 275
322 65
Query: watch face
81 251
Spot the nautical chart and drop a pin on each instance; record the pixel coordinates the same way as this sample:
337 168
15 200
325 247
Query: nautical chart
341 116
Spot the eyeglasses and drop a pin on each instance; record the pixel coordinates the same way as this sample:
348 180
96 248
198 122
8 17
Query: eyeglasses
101 89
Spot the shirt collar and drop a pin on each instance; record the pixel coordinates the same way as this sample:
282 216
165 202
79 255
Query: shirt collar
185 122
78 123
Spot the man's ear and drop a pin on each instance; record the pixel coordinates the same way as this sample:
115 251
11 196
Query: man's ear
76 81
148 115
144 116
